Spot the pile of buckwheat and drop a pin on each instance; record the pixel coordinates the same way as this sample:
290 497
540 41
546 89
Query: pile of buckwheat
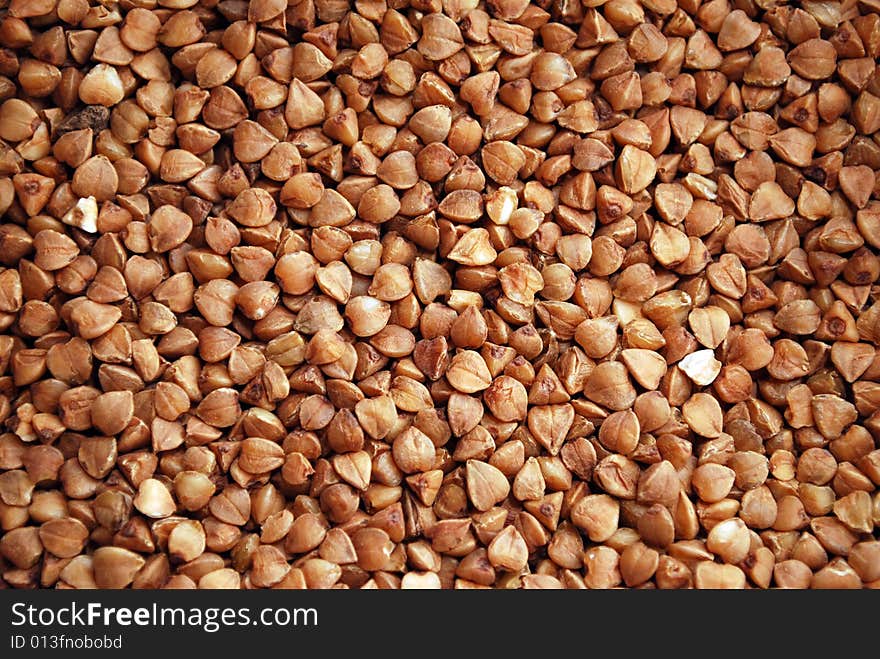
439 294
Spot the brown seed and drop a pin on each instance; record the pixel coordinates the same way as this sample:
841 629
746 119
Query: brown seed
296 272
620 432
413 451
468 373
507 399
367 315
115 567
473 249
260 456
153 499
168 228
601 568
65 537
193 489
635 169
376 415
638 563
598 515
729 540
712 482
709 575
186 541
486 485
54 250
608 385
102 85
441 38
549 424
508 550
